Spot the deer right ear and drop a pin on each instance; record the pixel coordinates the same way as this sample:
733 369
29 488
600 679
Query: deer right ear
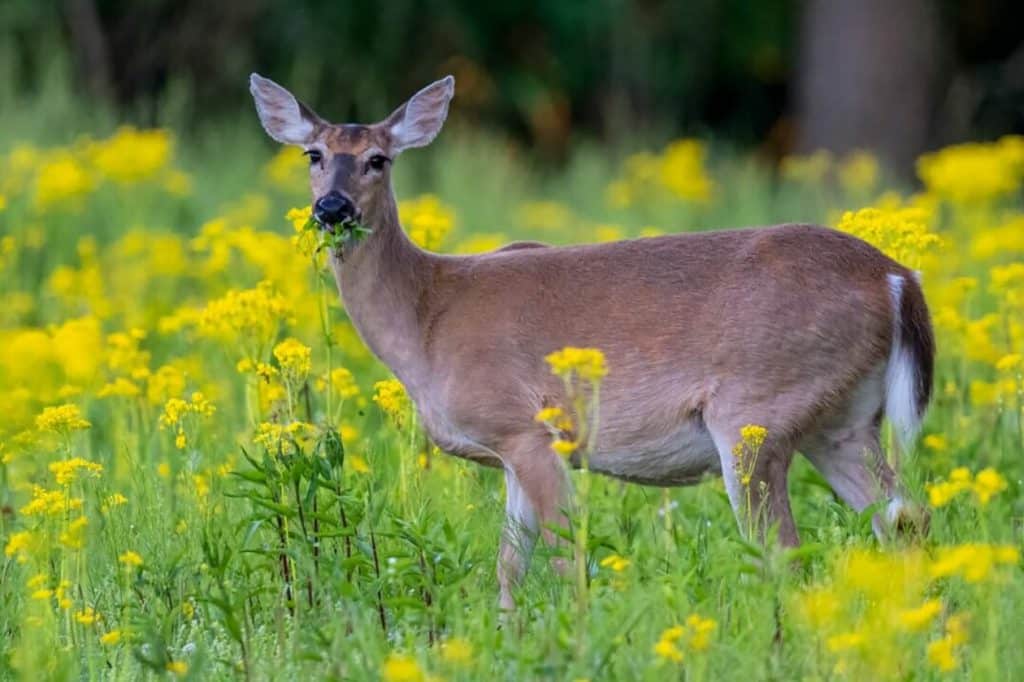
284 118
417 122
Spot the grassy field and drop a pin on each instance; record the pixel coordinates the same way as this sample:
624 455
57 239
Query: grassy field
206 475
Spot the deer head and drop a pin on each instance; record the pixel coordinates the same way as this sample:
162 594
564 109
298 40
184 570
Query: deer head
350 164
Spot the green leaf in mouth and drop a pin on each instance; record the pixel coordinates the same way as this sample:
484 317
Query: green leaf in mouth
336 236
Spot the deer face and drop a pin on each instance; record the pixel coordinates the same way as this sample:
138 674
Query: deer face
350 164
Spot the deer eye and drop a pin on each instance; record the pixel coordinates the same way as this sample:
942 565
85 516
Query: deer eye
377 162
314 156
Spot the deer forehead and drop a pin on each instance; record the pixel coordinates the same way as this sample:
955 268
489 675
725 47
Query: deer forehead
351 139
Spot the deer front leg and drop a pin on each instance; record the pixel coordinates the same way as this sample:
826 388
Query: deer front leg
536 496
517 539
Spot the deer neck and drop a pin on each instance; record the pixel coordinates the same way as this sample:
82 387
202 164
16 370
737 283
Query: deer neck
382 283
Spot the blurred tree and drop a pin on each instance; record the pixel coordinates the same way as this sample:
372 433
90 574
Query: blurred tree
895 75
868 76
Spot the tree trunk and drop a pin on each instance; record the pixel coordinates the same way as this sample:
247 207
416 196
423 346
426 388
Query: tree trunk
867 77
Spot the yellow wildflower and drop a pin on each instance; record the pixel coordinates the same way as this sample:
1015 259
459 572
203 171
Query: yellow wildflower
179 668
111 638
919 618
391 397
587 363
615 562
130 559
67 471
19 545
131 155
456 651
426 220
87 616
61 419
401 668
73 537
295 359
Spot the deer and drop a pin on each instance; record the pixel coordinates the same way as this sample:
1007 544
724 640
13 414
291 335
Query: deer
806 331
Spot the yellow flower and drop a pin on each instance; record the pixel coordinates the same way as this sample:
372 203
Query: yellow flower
62 178
287 169
819 606
427 220
972 561
114 500
131 155
700 630
179 668
1009 363
919 618
987 483
549 414
587 363
615 562
61 419
391 397
844 642
975 172
935 442
358 464
111 638
19 545
87 616
295 359
344 383
67 471
119 387
42 594
74 536
50 502
901 233
667 650
456 651
130 559
753 436
564 447
402 668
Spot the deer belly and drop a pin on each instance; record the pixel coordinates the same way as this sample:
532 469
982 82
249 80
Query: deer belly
680 457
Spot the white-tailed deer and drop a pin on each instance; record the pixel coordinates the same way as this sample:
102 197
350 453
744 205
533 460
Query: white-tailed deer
806 331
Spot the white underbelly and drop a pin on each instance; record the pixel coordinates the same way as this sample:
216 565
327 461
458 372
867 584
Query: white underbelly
679 457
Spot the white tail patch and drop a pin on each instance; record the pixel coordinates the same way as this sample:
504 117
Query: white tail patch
900 375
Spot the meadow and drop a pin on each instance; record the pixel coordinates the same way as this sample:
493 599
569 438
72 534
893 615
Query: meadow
205 475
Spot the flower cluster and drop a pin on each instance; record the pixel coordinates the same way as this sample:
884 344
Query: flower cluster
985 485
694 636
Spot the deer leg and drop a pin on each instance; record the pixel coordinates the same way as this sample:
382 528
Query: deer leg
537 495
758 486
517 540
850 458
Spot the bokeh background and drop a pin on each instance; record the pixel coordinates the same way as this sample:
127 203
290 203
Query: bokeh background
897 77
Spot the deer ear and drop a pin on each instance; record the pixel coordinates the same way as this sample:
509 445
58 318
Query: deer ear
417 122
285 118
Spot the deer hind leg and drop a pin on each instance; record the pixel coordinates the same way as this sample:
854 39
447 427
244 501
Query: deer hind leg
851 459
847 451
537 495
757 486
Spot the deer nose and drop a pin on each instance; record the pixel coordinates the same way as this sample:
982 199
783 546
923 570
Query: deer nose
333 208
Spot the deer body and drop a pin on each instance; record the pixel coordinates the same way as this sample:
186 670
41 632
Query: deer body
806 331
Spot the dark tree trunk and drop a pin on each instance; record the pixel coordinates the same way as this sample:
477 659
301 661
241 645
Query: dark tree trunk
867 77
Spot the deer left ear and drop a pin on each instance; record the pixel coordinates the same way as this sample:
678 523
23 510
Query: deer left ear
417 122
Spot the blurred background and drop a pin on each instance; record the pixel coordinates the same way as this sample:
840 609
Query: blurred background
897 77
